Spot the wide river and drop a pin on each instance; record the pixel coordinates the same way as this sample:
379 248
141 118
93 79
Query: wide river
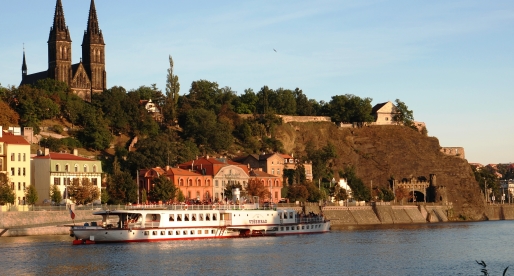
422 249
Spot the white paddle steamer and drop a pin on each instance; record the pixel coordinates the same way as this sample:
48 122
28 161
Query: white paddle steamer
177 222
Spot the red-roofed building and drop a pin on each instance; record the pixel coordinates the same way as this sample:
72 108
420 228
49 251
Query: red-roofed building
61 169
15 163
193 185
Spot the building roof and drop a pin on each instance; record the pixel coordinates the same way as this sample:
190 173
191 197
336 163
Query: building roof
377 107
33 78
63 156
254 173
12 139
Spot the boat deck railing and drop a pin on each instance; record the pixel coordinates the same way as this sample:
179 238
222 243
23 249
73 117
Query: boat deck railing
250 206
310 219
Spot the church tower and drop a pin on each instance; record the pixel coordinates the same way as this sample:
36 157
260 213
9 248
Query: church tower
59 48
93 52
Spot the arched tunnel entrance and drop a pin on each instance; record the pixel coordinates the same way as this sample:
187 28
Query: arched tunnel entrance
418 197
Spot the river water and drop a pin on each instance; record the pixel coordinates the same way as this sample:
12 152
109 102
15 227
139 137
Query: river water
422 249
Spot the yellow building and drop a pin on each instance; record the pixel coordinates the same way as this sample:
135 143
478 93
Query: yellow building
15 163
61 169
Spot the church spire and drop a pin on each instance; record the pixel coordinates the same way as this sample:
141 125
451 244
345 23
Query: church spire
59 30
24 65
93 34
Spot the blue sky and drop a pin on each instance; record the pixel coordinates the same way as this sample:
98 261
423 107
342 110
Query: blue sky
451 62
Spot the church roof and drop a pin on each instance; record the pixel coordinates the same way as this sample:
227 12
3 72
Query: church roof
33 78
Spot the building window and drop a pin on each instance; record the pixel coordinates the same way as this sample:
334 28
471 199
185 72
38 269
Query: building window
19 171
12 186
24 157
66 168
24 187
57 181
1 164
12 157
190 183
12 171
19 156
57 167
94 168
95 181
278 171
216 182
23 171
76 168
85 168
19 186
181 182
198 182
272 171
208 183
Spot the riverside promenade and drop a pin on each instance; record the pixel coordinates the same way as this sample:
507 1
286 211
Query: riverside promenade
46 222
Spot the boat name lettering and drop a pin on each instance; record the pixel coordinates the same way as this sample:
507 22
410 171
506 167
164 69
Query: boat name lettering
257 221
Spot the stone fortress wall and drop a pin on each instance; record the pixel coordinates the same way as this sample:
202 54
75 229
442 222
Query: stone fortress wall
454 151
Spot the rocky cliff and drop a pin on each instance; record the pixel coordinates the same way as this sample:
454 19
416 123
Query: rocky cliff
381 152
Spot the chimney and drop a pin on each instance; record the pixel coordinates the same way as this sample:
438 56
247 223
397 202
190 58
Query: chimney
75 152
47 151
167 167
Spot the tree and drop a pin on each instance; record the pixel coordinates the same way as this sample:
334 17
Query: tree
403 115
8 117
55 194
359 190
6 192
83 191
31 195
385 194
297 192
121 188
171 102
322 160
144 197
402 193
350 109
163 189
256 188
104 196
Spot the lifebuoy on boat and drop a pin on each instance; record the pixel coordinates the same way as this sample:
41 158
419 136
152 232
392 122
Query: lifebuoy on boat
185 207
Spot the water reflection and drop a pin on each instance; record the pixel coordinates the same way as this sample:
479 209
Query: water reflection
423 249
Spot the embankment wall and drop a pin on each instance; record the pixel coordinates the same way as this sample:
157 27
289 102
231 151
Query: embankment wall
499 212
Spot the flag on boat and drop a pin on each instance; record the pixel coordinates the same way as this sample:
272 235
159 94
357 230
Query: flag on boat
72 215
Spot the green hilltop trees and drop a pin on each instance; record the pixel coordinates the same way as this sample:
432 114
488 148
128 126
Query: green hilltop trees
205 119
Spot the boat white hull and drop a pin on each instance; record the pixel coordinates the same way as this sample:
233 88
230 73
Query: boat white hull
96 234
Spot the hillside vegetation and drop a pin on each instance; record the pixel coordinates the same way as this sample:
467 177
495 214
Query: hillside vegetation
381 152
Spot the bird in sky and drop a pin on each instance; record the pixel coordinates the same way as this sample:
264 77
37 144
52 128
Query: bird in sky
274 50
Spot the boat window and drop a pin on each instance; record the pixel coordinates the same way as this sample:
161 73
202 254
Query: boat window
199 232
201 217
186 217
179 217
282 228
213 216
212 231
206 232
172 217
193 217
184 232
307 226
192 232
146 233
163 233
290 215
177 232
297 227
287 228
303 227
170 233
154 232
207 217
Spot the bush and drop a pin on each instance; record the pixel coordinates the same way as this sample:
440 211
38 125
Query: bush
58 129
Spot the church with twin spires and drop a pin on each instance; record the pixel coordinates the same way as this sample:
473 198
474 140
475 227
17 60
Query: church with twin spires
84 78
